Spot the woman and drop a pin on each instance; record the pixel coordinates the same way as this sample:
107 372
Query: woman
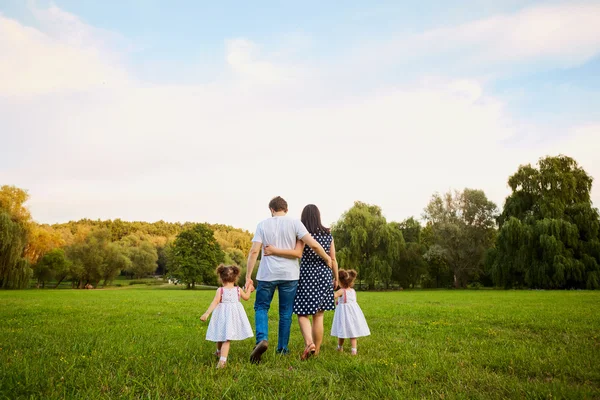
317 281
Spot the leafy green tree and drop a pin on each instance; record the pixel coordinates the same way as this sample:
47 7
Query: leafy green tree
438 272
96 258
411 230
366 242
549 231
143 256
12 201
411 267
14 269
194 256
162 260
463 226
53 264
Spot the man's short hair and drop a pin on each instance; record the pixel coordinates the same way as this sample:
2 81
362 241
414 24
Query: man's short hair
278 204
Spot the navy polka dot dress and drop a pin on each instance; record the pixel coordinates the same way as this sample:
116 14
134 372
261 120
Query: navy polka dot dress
315 287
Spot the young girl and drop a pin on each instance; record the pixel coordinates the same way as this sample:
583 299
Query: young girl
229 321
348 321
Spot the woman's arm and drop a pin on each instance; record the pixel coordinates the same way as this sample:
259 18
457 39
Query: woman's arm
274 251
245 294
212 306
334 264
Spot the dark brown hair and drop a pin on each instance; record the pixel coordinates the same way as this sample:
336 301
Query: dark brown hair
278 204
347 277
311 218
228 273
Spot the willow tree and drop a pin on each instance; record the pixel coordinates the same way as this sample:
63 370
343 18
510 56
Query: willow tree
96 258
14 222
462 226
549 231
366 242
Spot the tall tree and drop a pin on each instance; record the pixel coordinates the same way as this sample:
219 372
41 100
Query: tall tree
15 221
143 255
549 231
40 241
14 269
96 258
410 268
194 256
463 226
12 200
53 264
366 242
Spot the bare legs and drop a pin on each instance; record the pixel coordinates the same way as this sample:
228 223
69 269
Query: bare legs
305 329
317 330
222 352
353 343
312 334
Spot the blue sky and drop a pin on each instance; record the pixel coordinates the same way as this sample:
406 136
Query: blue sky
196 110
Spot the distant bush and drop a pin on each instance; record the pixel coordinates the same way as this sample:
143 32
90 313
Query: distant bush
474 285
148 282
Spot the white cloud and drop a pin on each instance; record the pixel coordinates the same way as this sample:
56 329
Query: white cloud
69 58
218 152
244 58
563 35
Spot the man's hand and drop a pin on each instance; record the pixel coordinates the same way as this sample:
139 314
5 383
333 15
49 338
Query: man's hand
249 283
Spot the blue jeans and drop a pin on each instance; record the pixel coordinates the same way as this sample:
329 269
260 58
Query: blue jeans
264 296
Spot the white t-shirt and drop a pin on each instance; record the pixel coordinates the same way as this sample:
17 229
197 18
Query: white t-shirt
281 232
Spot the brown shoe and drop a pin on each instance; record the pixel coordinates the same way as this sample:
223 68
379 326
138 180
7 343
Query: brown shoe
258 351
308 351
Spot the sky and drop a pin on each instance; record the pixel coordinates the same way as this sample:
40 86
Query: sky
203 111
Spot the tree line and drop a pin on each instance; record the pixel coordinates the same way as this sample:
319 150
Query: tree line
546 236
96 252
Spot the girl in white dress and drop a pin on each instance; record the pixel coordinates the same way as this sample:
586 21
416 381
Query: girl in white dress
348 321
229 320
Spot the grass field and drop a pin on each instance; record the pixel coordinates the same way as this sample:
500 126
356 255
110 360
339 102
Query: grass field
148 342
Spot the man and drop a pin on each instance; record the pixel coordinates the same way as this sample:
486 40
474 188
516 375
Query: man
277 273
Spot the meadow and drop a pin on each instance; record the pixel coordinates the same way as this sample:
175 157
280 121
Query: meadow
148 342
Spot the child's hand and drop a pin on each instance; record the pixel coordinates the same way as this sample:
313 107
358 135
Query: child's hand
204 317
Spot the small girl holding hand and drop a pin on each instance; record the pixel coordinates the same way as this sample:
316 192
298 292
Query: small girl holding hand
348 321
229 320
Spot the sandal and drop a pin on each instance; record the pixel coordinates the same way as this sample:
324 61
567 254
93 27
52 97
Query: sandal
309 350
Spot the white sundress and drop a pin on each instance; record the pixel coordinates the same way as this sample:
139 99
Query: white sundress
349 321
229 320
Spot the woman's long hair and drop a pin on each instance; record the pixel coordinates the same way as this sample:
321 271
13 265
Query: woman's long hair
311 218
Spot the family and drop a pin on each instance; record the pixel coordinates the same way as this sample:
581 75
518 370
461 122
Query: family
308 290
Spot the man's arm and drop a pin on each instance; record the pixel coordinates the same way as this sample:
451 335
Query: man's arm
313 244
252 257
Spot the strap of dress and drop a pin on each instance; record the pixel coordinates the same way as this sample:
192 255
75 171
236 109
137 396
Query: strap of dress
221 293
345 296
239 293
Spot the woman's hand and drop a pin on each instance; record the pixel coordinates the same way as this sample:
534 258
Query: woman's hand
270 250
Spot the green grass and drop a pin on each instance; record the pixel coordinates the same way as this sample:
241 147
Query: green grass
147 342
